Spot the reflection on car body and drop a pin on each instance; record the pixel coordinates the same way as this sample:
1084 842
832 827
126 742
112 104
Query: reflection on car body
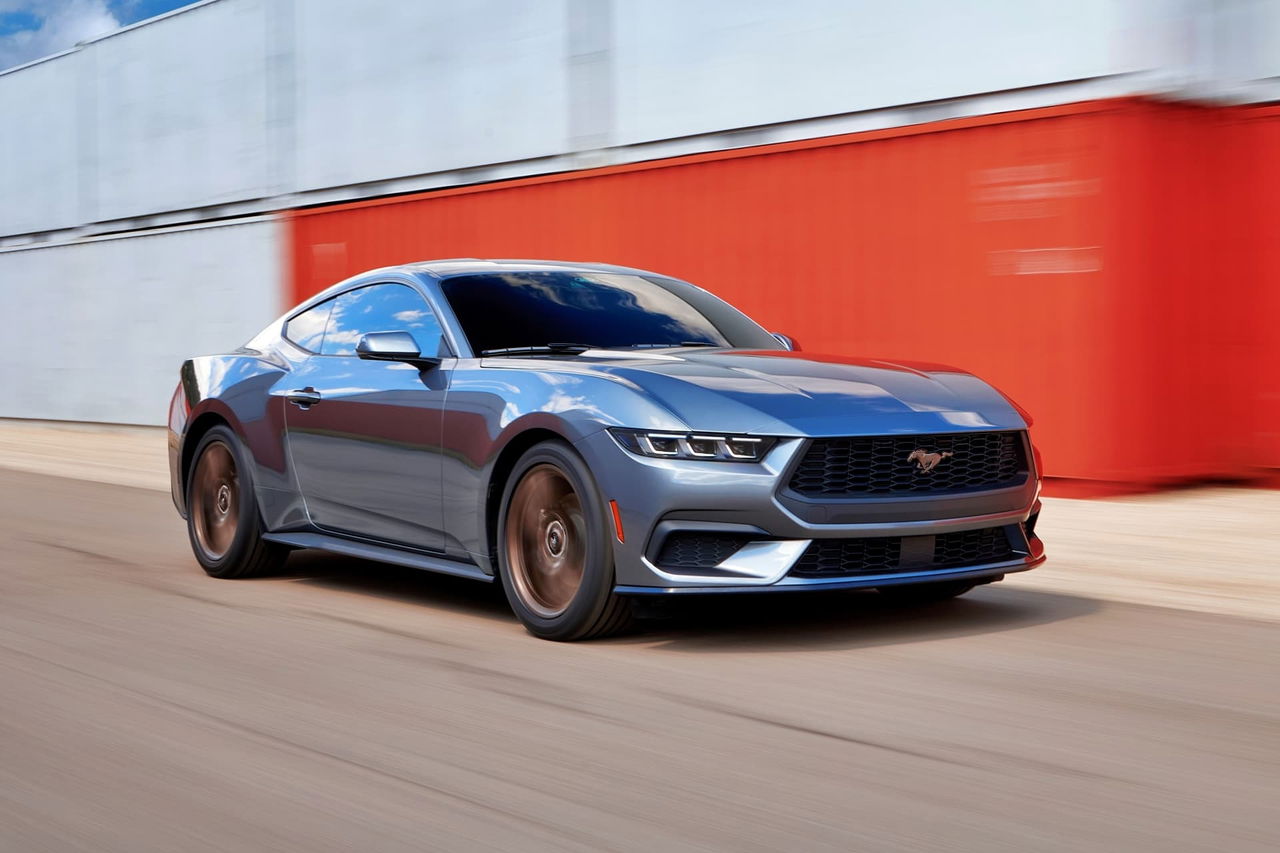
587 434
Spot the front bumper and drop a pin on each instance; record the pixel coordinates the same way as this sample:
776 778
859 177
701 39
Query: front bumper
659 497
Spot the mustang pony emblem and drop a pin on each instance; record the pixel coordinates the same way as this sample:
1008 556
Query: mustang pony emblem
926 460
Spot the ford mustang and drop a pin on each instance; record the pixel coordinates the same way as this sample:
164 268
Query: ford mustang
588 434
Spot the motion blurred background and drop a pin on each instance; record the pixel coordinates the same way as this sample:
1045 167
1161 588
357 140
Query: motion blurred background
1076 200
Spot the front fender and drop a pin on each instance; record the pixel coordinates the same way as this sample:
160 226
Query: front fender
494 412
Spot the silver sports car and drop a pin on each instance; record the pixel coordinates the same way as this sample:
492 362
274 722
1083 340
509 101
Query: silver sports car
589 434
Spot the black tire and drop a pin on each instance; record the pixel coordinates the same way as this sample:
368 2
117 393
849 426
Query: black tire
925 593
223 521
537 559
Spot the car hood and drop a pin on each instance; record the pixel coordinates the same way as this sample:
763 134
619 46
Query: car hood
789 393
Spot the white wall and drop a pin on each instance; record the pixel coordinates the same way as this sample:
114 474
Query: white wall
1239 57
389 89
96 330
178 113
697 67
39 147
264 104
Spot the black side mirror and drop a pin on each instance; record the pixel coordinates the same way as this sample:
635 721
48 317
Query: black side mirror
393 346
787 341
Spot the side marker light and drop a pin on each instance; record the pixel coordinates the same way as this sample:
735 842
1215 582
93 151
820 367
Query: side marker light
617 521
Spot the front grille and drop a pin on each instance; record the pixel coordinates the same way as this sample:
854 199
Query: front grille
699 549
826 558
882 465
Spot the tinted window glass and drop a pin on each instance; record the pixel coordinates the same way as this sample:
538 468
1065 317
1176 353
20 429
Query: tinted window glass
380 308
307 329
599 309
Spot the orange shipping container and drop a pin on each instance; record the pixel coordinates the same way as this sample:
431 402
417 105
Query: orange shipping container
1054 252
1251 254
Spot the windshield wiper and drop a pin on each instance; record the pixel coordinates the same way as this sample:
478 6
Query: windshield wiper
675 346
543 349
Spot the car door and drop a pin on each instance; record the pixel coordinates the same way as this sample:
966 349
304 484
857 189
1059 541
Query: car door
364 436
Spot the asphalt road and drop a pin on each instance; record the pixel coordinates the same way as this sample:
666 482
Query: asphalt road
347 706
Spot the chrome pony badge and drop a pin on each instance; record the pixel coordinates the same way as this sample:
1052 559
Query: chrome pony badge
926 460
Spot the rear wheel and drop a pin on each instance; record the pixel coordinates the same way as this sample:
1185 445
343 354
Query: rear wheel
925 593
554 553
222 514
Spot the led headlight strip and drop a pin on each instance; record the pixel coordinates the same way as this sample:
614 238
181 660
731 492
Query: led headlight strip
711 447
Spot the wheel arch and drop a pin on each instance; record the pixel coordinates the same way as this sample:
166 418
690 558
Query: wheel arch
196 429
503 465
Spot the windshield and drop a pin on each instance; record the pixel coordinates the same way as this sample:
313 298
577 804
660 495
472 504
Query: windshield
608 310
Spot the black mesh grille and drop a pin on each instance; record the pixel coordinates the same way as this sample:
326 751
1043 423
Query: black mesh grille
884 465
884 555
971 548
698 549
826 557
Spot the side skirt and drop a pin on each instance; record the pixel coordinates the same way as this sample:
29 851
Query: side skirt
378 553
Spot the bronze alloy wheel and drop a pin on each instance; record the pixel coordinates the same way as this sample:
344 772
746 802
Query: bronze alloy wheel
546 541
215 500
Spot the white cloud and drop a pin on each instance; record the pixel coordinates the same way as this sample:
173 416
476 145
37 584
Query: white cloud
61 23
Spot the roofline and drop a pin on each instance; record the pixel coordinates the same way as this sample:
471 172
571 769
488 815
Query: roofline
479 266
482 265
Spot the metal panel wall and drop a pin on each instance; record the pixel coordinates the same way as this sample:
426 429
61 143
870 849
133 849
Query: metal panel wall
1235 56
236 101
98 329
702 67
390 89
39 156
1037 250
178 113
1250 259
1170 381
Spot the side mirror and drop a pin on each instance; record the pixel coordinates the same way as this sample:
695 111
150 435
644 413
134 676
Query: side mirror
393 346
787 341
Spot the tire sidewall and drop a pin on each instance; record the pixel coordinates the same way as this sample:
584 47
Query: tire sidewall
597 575
228 564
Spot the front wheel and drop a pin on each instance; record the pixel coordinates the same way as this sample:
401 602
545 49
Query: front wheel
554 553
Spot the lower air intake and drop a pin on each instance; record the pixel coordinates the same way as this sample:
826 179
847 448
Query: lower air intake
830 558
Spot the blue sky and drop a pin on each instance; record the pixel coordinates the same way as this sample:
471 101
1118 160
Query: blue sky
30 29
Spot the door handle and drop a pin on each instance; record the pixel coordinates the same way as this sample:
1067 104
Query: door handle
303 398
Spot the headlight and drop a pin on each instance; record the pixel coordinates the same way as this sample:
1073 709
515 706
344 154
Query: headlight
709 447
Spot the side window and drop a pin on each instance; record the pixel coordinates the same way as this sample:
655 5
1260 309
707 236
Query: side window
307 329
381 308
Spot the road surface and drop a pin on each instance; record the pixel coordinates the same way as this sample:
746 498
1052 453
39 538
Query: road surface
347 706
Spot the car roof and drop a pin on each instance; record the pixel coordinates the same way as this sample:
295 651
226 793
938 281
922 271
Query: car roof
449 267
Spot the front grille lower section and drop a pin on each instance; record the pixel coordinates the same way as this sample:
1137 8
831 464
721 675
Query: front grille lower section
889 465
971 548
831 558
836 557
698 549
